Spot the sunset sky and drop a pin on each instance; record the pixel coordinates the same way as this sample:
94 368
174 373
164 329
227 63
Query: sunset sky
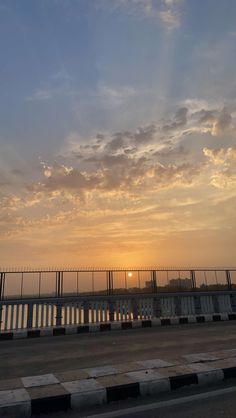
117 132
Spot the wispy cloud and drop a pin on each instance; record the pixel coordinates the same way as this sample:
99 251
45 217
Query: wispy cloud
115 95
40 95
168 12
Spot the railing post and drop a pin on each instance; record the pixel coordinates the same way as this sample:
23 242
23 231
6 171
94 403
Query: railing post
193 279
134 308
59 294
233 302
2 283
109 282
228 279
30 315
197 304
216 303
178 310
157 307
111 310
154 280
59 284
86 311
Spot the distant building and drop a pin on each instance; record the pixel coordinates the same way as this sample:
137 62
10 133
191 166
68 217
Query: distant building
187 283
149 284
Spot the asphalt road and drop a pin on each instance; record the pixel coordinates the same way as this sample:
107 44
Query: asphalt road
54 354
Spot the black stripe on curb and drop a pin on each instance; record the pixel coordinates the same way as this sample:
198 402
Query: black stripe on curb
50 404
231 316
34 333
6 336
229 372
126 325
105 327
200 319
146 324
82 329
183 380
59 331
216 318
165 321
183 320
117 393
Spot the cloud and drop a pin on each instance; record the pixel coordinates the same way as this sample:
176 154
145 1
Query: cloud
221 156
168 12
179 120
114 96
40 95
127 171
224 176
222 122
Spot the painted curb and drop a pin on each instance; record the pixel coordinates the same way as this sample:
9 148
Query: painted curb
116 325
36 397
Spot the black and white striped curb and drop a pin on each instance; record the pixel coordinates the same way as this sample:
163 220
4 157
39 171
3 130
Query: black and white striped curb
116 325
84 388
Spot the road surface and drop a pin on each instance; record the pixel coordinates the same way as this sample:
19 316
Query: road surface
29 357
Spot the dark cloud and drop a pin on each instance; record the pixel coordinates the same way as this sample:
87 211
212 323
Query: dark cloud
217 120
179 120
223 121
145 134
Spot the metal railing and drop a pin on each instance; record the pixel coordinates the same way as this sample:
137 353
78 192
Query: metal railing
31 283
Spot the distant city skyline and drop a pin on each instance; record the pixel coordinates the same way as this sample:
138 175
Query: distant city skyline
117 133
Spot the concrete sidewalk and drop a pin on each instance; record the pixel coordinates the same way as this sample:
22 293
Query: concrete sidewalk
81 388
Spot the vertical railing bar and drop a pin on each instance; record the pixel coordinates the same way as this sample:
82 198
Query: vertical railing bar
16 317
12 316
21 288
6 316
77 276
70 313
22 315
139 284
79 312
42 314
39 284
36 315
52 315
93 282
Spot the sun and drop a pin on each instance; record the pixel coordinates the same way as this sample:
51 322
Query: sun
130 274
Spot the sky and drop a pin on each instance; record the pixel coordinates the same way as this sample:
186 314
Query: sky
117 133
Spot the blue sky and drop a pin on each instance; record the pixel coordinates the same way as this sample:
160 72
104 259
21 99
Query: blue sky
104 106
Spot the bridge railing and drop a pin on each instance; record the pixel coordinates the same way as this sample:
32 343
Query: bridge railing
21 314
